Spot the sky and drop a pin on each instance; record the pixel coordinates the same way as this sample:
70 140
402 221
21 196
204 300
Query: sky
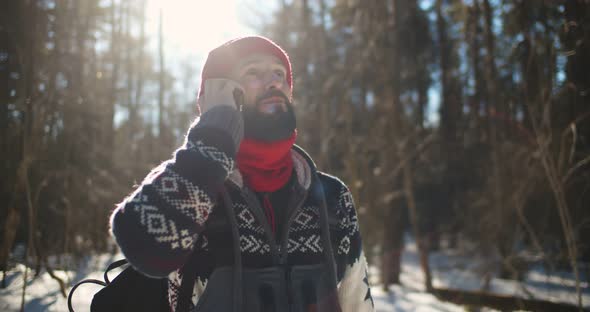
193 27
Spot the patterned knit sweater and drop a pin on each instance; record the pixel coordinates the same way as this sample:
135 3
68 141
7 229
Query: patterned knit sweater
176 211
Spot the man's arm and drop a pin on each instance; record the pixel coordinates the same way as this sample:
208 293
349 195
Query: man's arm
158 224
354 292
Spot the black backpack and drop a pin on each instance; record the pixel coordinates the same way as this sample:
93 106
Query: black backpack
129 291
133 291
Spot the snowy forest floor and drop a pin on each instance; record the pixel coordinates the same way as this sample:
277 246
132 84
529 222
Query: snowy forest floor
450 270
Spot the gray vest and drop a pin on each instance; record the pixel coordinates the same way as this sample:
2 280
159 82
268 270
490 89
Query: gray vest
279 288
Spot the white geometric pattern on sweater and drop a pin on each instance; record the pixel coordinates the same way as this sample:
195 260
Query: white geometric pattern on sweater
246 219
252 244
344 245
174 282
139 198
198 291
143 209
347 200
305 220
348 221
163 229
354 293
309 244
171 235
212 153
185 196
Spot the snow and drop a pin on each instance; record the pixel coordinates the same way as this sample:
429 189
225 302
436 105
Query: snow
450 269
43 293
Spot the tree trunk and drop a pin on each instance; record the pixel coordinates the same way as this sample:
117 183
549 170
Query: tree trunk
421 241
449 119
393 222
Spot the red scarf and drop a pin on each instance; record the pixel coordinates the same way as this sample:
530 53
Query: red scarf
266 166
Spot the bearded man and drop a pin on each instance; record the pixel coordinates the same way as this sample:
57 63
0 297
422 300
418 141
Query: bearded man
240 219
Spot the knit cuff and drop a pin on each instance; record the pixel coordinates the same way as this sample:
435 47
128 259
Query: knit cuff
225 118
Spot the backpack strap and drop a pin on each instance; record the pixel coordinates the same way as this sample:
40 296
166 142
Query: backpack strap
106 282
113 266
190 268
185 293
237 282
327 243
88 280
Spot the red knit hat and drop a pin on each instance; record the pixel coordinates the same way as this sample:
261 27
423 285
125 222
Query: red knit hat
222 59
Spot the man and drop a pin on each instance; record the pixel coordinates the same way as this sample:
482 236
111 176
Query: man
242 212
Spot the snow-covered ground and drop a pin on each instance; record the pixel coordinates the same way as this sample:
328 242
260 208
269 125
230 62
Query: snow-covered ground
43 292
449 270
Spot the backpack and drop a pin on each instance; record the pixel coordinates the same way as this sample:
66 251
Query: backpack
129 291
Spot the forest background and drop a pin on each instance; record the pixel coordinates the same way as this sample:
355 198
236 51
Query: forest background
465 123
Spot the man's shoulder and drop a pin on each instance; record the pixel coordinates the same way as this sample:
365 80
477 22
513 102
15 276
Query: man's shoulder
335 191
329 180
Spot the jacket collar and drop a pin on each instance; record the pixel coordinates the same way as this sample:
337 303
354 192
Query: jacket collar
302 163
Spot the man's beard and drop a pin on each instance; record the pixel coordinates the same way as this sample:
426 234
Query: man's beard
269 127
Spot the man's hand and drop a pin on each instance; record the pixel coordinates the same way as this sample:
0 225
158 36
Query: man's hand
220 92
220 101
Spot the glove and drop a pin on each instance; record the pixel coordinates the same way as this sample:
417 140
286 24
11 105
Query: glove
218 92
219 103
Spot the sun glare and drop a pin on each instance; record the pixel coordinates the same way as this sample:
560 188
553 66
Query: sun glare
196 26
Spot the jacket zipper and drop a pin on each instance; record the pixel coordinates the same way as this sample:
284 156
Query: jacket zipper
261 218
280 252
294 205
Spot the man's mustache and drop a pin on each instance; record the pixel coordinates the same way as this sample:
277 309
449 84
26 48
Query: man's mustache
271 93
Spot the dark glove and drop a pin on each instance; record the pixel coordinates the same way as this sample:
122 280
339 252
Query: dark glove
220 104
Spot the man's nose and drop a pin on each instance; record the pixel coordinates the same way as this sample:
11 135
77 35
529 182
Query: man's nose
274 81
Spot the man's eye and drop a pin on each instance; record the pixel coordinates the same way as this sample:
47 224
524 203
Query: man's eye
251 71
279 73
